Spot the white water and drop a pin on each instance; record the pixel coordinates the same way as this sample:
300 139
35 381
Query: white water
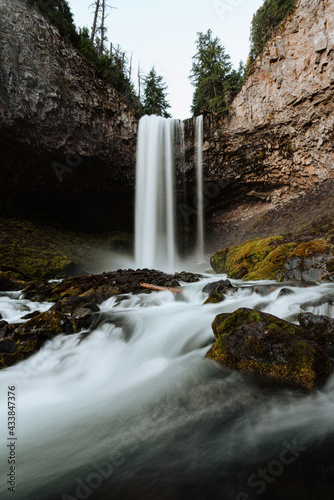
199 196
159 140
155 211
138 393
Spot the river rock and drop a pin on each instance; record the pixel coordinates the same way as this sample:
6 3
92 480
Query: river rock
265 345
84 317
320 326
80 291
48 324
217 291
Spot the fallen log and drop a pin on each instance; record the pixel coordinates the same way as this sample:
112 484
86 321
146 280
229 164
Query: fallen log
160 288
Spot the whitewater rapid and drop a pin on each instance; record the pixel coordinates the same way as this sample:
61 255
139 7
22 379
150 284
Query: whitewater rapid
134 410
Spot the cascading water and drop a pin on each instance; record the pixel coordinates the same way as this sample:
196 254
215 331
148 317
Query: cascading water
155 245
199 194
160 154
135 411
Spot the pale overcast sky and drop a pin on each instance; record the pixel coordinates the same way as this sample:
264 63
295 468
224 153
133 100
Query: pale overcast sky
163 33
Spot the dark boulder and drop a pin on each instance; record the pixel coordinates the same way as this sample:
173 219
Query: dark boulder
217 290
265 345
84 317
320 326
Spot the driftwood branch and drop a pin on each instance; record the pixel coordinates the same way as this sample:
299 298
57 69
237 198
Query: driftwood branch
160 288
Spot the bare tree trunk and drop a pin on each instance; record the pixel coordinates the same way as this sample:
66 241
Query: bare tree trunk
102 26
130 68
95 20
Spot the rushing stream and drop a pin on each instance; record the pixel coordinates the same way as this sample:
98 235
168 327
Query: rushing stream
135 411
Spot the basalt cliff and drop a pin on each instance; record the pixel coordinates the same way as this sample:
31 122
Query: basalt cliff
269 165
67 139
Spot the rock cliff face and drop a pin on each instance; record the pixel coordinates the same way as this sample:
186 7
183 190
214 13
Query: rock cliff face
277 142
67 139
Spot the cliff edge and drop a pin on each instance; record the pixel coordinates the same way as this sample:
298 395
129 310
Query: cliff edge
269 165
67 138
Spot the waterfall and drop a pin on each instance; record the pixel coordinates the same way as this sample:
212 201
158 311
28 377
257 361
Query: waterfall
155 237
199 194
160 155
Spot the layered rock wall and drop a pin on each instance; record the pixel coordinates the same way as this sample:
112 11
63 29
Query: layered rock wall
277 142
67 139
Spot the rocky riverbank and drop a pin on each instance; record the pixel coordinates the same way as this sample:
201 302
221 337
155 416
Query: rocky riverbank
281 258
75 307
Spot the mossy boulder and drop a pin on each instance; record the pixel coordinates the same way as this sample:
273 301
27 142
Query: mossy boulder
79 291
20 349
270 347
20 342
215 298
217 291
277 258
48 324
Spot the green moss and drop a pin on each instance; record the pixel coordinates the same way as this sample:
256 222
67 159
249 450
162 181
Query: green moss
305 364
265 258
225 323
309 248
28 251
50 322
253 260
215 298
24 350
330 266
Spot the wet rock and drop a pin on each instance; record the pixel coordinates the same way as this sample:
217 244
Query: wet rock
187 277
48 324
221 286
264 289
3 328
265 345
84 316
8 347
312 268
217 290
285 291
6 330
214 298
31 315
80 291
68 305
320 326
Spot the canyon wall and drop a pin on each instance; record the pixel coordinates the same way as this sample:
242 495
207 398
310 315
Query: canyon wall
67 139
276 145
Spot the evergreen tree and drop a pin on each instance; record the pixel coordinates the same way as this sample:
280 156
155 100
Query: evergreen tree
58 12
216 83
154 101
265 21
112 67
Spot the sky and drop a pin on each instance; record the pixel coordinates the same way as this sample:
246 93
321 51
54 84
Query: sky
162 33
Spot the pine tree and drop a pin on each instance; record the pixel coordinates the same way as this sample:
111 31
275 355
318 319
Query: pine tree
58 12
154 100
265 21
216 83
